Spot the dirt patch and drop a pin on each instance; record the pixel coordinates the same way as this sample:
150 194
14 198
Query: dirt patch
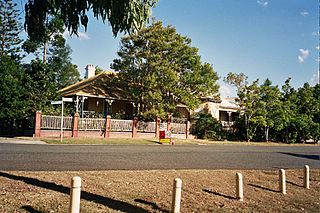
150 191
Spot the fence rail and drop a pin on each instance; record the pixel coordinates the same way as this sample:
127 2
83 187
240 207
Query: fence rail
146 126
117 125
91 124
54 122
178 128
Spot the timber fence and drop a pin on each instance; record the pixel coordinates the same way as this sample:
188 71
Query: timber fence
50 126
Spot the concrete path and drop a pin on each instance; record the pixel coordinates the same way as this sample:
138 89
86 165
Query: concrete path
20 141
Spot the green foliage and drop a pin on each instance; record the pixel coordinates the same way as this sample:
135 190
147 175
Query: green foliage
122 15
270 114
207 127
66 73
162 70
9 29
12 91
40 85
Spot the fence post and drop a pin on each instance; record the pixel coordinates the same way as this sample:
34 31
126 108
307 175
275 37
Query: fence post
187 129
306 176
282 181
107 127
134 127
176 195
37 125
75 192
239 186
157 127
169 122
75 125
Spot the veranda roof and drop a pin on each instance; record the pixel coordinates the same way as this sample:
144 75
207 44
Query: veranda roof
103 85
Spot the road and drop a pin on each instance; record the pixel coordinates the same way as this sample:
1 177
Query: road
145 157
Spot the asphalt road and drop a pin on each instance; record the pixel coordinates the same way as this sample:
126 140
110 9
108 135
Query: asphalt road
145 157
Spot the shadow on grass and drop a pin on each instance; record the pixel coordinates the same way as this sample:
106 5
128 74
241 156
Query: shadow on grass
262 187
219 194
153 205
294 184
109 202
312 157
30 209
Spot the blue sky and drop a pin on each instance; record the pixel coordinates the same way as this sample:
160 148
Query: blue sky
271 39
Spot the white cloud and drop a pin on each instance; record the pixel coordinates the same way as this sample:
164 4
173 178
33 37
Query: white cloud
304 54
263 3
316 33
304 13
81 36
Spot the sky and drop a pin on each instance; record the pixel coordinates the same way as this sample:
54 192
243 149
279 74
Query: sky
273 39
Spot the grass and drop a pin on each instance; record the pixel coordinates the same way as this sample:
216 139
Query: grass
151 191
153 141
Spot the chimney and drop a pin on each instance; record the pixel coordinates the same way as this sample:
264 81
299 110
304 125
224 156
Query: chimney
90 71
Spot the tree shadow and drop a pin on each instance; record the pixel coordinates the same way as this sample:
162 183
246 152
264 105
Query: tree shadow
219 194
30 209
312 157
294 184
262 187
153 205
109 202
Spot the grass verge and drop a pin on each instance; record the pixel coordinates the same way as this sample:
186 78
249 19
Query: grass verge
150 191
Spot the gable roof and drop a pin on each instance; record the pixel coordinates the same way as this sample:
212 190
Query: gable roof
103 85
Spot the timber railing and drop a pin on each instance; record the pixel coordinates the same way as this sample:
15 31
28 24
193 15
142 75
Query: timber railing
54 122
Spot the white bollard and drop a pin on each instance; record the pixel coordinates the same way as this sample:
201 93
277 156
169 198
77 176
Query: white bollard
239 187
75 193
306 175
176 196
282 181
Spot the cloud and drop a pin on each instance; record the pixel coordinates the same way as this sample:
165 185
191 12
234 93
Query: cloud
263 3
304 13
304 54
81 36
316 33
317 47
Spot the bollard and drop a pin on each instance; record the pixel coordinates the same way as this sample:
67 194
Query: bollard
75 195
282 181
176 196
306 182
239 187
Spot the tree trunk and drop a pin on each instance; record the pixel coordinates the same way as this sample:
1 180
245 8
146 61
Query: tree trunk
44 53
267 133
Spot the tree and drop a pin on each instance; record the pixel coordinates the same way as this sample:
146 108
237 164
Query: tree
9 29
162 70
40 85
51 37
66 73
122 15
13 102
271 107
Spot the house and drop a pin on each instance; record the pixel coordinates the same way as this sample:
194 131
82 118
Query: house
225 110
102 94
